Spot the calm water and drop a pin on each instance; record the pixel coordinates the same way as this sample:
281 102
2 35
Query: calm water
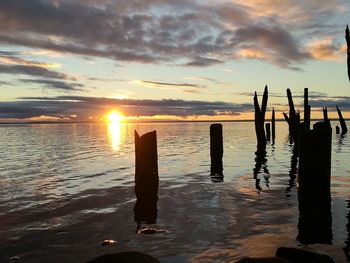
65 188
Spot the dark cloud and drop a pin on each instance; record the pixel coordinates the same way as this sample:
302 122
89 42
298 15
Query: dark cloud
169 84
56 84
91 106
203 62
155 31
33 71
5 83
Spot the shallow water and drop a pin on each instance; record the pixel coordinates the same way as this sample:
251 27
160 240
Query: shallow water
64 188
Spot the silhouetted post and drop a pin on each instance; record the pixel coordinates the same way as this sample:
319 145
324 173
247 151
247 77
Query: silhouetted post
325 116
146 178
347 37
216 149
344 128
293 119
337 129
273 124
260 118
314 177
268 131
307 109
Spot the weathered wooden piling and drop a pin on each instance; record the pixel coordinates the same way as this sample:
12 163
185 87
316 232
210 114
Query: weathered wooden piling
307 109
344 128
260 118
146 178
347 37
216 149
293 119
268 131
273 124
325 116
314 177
337 129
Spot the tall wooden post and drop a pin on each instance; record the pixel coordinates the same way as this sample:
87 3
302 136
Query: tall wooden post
314 177
146 178
273 124
344 128
260 119
307 110
293 119
216 149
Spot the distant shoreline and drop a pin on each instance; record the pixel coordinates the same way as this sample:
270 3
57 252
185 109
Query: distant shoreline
169 121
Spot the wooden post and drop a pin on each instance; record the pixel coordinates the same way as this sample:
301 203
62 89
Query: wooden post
273 124
307 110
325 116
146 178
347 37
260 119
268 131
314 196
293 119
216 149
344 128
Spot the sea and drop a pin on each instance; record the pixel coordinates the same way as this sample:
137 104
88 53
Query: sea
65 188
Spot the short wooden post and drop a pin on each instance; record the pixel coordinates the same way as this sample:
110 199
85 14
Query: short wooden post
216 149
273 124
314 177
344 128
268 131
146 178
337 129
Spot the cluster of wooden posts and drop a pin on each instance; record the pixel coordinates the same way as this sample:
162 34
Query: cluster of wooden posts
312 147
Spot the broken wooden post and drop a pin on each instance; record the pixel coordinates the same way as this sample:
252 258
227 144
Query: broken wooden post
293 119
260 119
325 116
347 37
216 149
146 178
314 177
344 128
273 124
268 131
307 109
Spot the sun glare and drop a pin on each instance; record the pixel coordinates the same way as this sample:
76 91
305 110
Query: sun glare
115 117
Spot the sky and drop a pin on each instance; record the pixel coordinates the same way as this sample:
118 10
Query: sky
78 60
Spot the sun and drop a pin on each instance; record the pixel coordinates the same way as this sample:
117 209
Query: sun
115 117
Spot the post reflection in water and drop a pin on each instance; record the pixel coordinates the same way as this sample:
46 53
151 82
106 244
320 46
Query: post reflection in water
114 132
261 164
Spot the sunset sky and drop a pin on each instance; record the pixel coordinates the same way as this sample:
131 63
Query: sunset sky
165 59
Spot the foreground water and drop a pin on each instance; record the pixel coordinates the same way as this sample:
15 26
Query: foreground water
65 188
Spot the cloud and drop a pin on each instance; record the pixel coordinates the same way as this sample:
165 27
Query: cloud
188 33
56 84
33 71
12 58
83 107
327 49
158 84
203 62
